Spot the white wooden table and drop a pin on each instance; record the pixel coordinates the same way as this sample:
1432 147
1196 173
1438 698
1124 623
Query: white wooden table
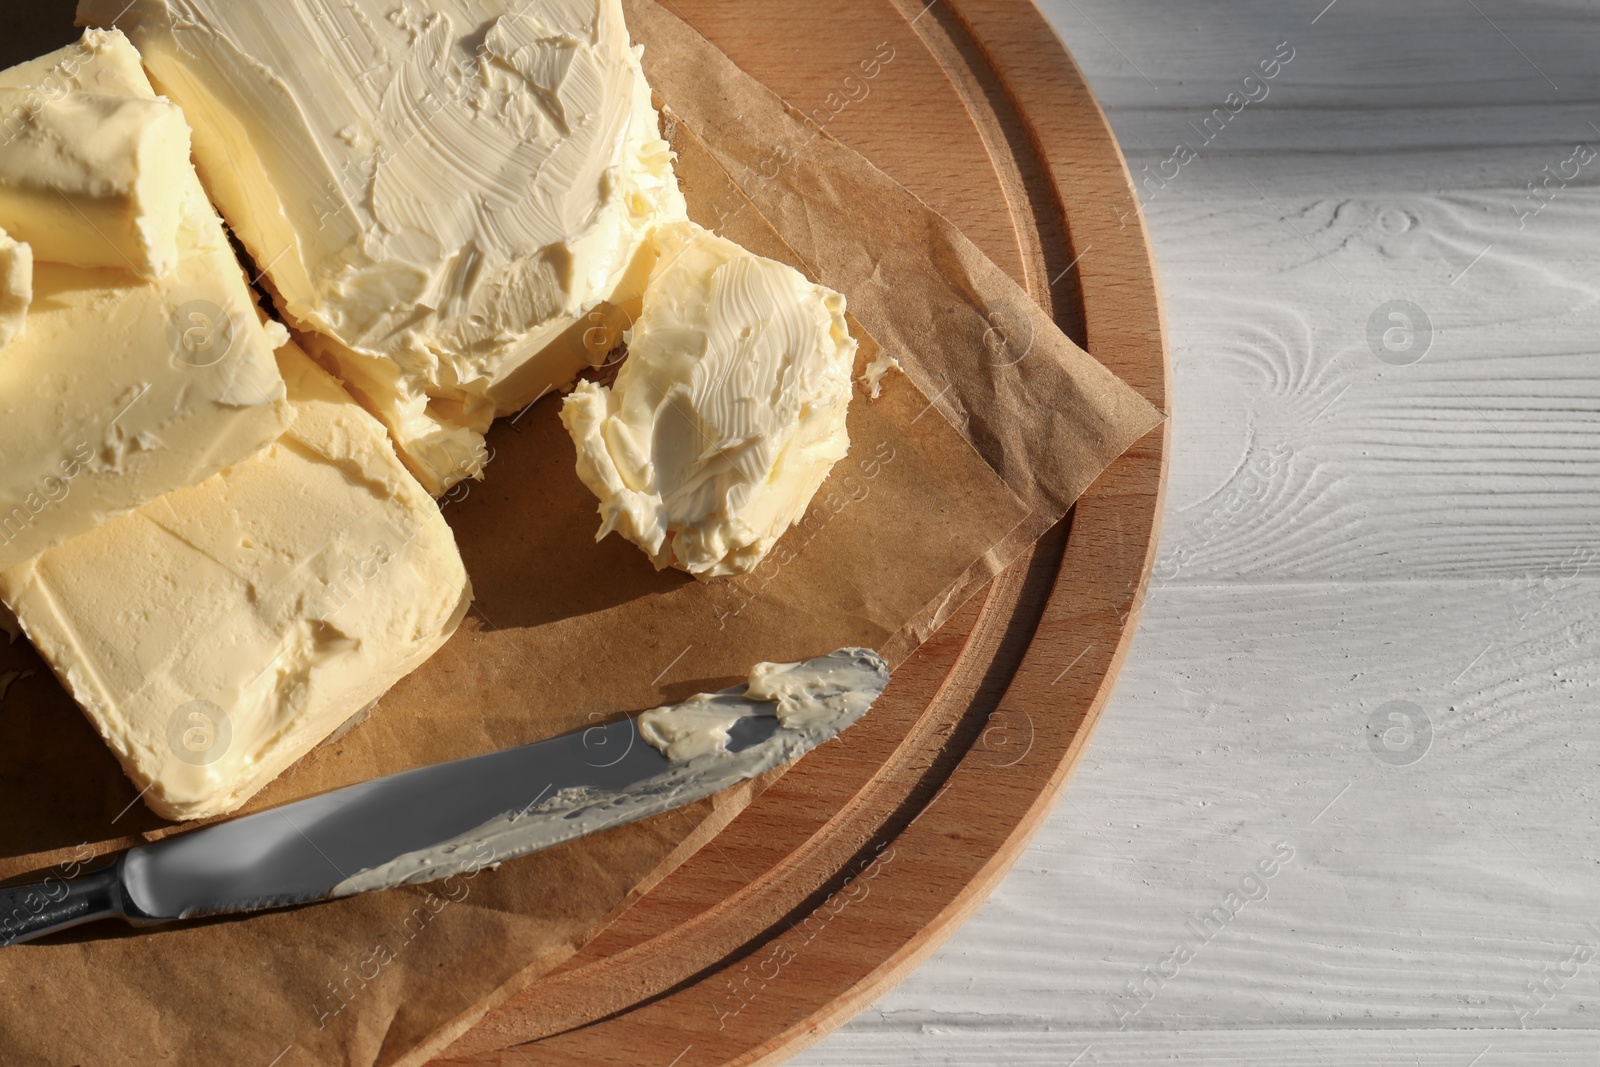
1383 510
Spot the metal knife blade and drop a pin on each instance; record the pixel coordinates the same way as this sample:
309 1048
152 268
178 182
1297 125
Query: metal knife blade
430 823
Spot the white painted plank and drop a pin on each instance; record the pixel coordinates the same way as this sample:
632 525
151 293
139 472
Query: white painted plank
895 1040
1421 534
1427 894
1378 95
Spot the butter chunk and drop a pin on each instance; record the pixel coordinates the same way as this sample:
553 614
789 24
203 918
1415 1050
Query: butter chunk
93 179
104 62
16 287
216 635
729 412
449 202
119 390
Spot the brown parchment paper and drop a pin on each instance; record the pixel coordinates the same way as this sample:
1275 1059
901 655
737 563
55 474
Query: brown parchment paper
969 336
568 632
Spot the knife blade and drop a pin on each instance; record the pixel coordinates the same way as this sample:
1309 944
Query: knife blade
430 823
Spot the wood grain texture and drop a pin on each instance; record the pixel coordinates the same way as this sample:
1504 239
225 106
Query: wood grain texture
1423 535
754 949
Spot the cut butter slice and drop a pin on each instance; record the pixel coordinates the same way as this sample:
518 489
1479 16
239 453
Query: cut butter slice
119 390
448 201
16 287
93 179
216 635
729 412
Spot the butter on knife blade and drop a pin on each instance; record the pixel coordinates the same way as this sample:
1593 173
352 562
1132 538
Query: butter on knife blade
457 818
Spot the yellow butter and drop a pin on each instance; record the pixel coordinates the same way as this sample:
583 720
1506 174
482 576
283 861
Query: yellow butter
216 635
119 390
729 412
447 200
93 179
16 287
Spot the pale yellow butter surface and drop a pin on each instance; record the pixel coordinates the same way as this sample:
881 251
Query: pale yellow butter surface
449 200
93 179
16 287
216 635
118 389
729 412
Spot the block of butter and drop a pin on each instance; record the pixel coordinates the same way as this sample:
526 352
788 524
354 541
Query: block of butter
729 412
447 199
93 179
216 635
16 287
121 389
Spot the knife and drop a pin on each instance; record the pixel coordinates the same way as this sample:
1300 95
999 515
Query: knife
452 818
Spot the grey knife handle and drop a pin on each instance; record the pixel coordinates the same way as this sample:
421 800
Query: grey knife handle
30 911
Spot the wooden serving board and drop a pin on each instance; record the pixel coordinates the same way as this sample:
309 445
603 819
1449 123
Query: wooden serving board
849 871
852 868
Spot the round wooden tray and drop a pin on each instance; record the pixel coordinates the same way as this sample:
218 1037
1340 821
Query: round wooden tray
845 874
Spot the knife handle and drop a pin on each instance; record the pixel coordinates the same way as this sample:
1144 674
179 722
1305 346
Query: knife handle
30 911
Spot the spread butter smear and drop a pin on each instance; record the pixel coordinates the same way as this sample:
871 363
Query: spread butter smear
813 702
